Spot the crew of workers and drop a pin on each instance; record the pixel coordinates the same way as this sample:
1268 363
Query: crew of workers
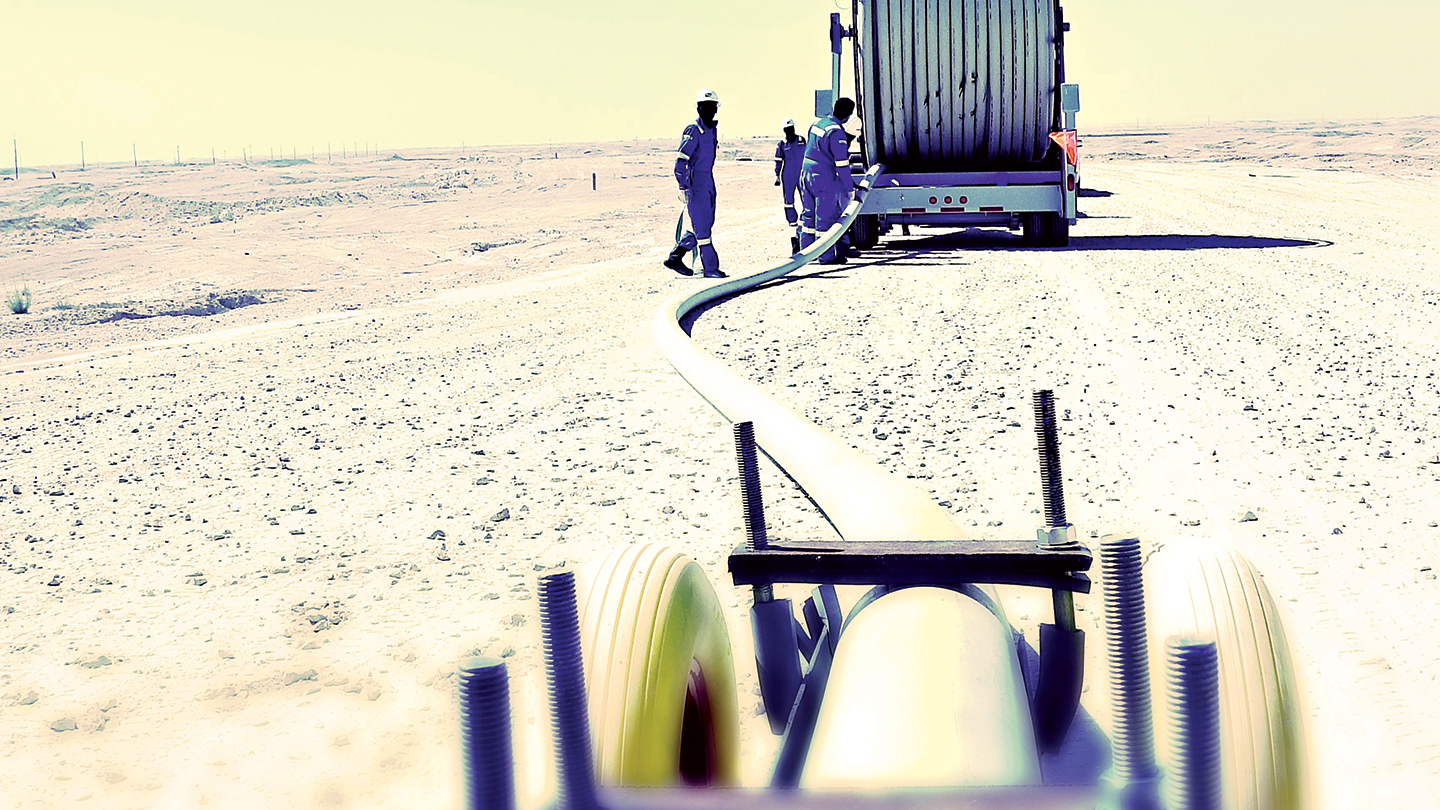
816 166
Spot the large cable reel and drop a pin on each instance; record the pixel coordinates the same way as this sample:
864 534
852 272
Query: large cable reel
952 84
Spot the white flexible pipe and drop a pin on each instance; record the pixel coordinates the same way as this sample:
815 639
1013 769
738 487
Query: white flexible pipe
860 499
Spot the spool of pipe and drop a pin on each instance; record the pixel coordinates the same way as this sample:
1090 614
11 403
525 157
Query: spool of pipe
957 84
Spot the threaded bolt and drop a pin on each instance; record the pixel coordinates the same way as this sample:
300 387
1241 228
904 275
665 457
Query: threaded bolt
488 759
750 498
1192 685
1052 484
1133 740
751 501
569 707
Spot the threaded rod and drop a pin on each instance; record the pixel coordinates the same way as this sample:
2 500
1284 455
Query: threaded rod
750 499
1192 686
487 756
1133 740
569 707
1052 483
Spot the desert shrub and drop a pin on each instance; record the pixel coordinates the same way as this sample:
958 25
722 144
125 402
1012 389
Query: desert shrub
19 300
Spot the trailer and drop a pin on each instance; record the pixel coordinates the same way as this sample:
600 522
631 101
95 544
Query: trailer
965 105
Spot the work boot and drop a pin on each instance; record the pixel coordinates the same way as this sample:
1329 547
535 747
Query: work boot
676 262
794 245
714 274
836 259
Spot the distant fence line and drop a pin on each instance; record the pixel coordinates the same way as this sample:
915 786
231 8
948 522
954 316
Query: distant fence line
246 156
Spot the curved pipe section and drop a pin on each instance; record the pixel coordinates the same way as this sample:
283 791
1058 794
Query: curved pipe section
860 499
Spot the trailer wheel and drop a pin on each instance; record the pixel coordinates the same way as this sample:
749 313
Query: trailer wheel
1217 593
1033 232
865 232
1056 230
661 682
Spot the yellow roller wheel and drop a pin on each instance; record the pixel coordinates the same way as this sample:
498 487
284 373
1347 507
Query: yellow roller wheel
663 709
1217 593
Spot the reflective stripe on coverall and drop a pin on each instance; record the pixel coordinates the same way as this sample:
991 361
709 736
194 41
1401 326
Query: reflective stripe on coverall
694 167
788 157
825 181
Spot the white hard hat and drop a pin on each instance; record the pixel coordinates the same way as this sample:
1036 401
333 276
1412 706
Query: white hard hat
788 122
706 94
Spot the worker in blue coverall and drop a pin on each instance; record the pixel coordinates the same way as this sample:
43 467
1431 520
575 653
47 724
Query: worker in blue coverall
825 179
694 172
789 154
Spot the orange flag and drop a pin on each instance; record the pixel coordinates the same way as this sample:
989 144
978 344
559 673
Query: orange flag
1070 142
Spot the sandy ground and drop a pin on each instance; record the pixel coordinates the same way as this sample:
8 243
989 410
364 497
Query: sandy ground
227 451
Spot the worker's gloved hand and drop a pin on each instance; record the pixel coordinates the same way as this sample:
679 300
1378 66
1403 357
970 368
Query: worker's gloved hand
777 181
685 197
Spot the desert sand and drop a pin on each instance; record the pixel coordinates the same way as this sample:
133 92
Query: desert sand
249 399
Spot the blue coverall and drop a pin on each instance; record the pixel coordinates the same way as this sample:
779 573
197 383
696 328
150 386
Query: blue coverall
788 157
825 181
694 172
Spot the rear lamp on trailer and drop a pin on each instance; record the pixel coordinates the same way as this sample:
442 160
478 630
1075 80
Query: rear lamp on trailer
964 200
1070 182
932 200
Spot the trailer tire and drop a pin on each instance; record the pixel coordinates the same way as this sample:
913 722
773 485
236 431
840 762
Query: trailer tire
1056 230
1217 593
661 682
865 232
1033 230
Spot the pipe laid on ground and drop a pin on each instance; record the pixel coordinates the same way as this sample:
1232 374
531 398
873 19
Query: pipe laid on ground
859 498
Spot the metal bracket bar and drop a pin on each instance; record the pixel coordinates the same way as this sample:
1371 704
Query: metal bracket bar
814 623
941 563
805 641
832 614
795 745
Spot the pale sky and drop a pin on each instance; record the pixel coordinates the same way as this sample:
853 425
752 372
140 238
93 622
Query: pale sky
297 74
